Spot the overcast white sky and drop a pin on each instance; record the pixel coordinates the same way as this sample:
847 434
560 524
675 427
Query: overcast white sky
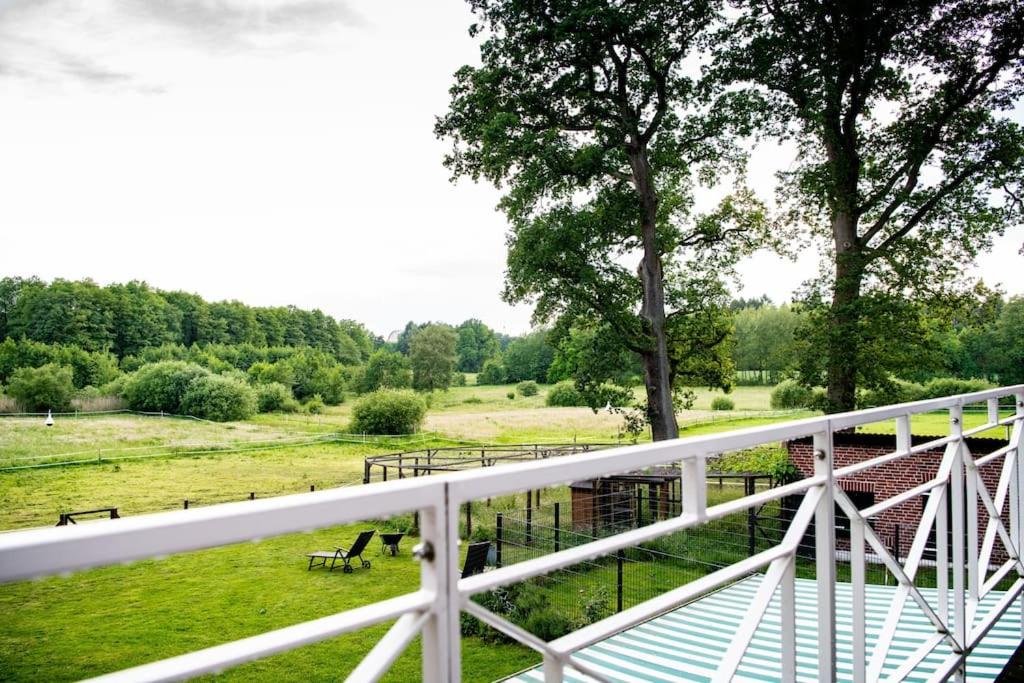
275 152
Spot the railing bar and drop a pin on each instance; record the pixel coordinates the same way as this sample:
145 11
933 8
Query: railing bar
985 459
889 457
980 428
910 663
901 498
588 635
997 576
988 544
220 657
380 658
993 615
606 546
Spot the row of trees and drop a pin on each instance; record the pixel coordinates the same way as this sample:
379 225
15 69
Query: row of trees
597 119
126 319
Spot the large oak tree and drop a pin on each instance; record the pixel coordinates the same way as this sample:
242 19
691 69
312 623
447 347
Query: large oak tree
584 112
907 164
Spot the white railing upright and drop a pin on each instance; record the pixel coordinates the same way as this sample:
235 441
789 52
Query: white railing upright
433 609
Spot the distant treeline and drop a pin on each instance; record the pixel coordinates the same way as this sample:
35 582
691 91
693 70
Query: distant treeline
125 319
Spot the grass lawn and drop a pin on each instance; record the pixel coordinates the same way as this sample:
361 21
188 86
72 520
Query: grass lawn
61 629
110 618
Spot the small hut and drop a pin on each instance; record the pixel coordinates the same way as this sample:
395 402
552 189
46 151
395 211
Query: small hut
624 500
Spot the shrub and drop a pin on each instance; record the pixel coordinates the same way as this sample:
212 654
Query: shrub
898 391
386 370
458 379
219 398
511 395
315 405
49 387
161 386
275 398
493 372
473 399
723 403
564 394
789 394
388 412
547 624
948 386
527 388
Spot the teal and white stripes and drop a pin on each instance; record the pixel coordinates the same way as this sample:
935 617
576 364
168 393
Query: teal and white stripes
687 643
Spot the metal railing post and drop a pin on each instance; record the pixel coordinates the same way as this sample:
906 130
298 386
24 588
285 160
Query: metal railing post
619 556
956 484
825 560
558 527
1017 489
497 540
439 555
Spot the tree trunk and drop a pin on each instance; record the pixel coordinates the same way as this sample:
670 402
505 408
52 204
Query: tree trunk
657 369
843 334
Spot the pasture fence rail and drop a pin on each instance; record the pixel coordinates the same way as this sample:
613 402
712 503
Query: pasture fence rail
433 609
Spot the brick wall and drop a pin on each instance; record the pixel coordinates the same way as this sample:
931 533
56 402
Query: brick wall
893 478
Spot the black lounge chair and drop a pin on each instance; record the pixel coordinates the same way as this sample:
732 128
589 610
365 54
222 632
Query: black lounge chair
344 555
476 558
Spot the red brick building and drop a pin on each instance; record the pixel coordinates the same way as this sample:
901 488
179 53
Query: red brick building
878 483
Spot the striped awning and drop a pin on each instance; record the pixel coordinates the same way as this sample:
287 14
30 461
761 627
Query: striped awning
688 643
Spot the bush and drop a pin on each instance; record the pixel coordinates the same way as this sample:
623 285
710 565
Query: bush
161 386
898 391
527 388
219 398
458 379
564 394
723 403
275 398
493 372
949 386
789 395
388 412
386 370
49 387
315 405
511 395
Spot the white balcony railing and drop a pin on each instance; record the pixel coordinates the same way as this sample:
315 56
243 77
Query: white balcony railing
433 610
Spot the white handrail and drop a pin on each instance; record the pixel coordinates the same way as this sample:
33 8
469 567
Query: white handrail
434 609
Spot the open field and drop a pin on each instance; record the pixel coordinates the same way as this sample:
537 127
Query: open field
105 619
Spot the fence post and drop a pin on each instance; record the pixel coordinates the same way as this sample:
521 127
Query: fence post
748 489
497 540
186 503
312 487
639 506
618 579
558 527
439 555
896 541
529 526
252 495
824 554
469 520
366 471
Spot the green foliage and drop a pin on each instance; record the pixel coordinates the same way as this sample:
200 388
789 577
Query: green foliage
432 354
511 395
564 394
722 403
907 153
280 372
897 391
89 368
275 398
386 370
493 372
219 398
772 460
527 388
596 148
790 394
949 386
130 318
161 386
48 387
315 372
314 405
458 379
528 358
388 412
476 343
764 341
